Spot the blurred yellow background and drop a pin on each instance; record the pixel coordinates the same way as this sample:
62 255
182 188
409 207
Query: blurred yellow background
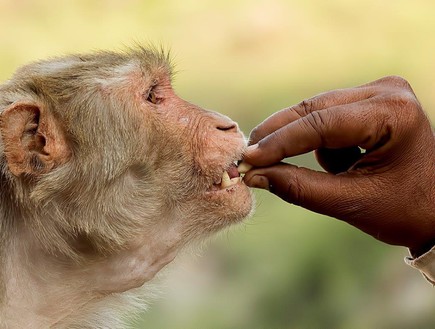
285 267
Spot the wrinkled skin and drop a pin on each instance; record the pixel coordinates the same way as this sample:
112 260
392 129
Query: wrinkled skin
387 192
106 174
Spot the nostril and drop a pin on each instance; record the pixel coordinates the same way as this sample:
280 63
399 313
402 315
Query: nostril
230 127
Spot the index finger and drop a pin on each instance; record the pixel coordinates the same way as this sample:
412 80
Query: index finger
316 103
354 124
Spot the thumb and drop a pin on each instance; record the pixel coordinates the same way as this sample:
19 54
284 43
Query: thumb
342 196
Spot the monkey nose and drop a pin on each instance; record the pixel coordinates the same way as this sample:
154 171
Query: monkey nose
227 125
223 123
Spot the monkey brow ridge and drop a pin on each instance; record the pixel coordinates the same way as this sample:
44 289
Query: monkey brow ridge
77 69
102 63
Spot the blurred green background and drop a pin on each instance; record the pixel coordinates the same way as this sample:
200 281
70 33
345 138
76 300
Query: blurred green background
285 267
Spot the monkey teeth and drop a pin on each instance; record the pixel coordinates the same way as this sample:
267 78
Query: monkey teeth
228 182
233 175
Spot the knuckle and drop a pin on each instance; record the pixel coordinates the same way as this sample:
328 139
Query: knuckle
398 81
401 100
313 104
404 106
318 119
315 121
395 81
294 190
305 107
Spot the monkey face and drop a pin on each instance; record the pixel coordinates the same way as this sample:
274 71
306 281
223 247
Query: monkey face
195 154
102 151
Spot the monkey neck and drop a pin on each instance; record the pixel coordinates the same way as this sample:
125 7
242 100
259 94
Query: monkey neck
42 290
37 292
32 284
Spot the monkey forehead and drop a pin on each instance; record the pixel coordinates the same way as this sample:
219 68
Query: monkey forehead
103 66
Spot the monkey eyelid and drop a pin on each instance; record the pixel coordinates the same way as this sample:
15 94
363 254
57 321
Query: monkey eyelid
150 95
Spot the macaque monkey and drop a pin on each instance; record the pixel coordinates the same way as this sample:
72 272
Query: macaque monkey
105 174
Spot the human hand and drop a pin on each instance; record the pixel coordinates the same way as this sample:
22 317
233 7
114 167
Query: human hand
387 192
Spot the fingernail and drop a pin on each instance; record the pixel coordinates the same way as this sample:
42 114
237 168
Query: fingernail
259 181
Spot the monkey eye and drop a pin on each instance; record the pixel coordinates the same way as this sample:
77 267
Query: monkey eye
151 97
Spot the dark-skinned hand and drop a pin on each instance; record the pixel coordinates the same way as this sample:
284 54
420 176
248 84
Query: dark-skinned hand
378 149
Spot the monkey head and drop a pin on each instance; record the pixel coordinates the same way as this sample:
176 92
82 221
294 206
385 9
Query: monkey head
99 153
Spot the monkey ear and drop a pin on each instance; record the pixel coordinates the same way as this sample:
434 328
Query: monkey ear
33 142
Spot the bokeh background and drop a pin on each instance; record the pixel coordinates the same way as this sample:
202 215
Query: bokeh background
285 267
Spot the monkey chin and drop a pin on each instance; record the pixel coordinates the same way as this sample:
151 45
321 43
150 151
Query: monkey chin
236 199
218 209
229 200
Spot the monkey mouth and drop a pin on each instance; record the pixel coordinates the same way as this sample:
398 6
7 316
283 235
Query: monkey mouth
231 176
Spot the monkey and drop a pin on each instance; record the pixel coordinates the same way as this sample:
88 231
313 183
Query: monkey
106 174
